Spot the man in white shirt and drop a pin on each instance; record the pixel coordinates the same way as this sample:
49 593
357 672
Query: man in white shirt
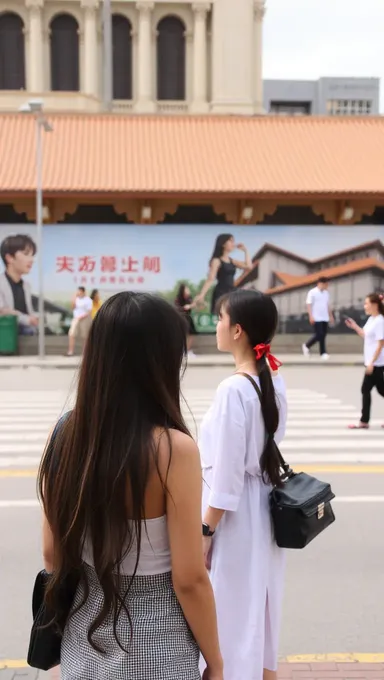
320 314
81 322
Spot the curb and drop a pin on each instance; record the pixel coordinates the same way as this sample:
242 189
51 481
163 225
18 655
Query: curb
207 361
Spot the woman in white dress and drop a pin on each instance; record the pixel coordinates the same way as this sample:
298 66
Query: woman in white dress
239 467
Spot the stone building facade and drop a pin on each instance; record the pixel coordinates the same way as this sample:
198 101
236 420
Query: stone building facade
168 57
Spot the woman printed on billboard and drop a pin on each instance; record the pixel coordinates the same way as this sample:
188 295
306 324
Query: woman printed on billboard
222 269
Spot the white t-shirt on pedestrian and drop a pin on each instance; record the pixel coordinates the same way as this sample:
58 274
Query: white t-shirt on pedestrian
373 333
83 305
319 301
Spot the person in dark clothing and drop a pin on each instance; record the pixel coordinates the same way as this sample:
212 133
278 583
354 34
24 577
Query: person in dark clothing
222 269
185 304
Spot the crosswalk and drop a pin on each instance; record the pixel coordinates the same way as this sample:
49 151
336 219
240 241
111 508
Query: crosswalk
317 431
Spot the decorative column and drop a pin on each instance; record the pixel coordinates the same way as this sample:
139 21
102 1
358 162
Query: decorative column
90 47
145 101
259 12
199 103
36 72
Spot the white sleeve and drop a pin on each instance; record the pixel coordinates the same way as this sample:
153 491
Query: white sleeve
379 328
309 299
229 450
89 305
283 412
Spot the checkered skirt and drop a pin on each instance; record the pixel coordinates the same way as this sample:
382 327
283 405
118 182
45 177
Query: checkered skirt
162 647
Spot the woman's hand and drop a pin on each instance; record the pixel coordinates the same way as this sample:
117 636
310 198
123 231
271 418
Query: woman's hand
350 323
241 246
207 550
187 308
369 369
213 675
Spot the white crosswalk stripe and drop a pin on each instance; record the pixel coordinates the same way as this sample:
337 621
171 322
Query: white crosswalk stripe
316 433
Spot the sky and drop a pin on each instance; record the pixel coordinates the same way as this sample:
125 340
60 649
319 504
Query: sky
308 39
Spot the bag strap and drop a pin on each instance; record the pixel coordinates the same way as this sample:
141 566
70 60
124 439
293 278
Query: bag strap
283 462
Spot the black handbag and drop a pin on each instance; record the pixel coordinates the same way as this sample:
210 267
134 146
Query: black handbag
301 508
45 639
46 633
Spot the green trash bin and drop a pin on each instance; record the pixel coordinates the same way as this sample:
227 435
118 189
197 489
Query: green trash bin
8 335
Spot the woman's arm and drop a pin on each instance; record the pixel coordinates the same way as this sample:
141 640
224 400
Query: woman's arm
213 269
247 264
350 323
190 578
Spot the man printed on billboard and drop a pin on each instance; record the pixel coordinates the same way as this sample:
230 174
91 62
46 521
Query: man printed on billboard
17 252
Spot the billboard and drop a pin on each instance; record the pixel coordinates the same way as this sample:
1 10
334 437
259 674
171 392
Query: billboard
157 258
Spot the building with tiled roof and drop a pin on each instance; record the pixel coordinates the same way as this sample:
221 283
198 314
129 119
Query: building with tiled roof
352 273
244 167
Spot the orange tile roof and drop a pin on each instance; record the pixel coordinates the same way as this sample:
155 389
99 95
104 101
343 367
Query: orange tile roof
144 155
331 273
287 279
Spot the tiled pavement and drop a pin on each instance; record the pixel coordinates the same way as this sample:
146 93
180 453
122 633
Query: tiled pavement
287 671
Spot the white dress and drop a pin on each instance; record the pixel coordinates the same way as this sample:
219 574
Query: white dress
247 571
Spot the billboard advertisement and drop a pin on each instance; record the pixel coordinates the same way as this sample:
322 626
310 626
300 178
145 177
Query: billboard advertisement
157 258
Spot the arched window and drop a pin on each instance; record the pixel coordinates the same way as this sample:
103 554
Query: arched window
122 57
65 53
171 59
12 52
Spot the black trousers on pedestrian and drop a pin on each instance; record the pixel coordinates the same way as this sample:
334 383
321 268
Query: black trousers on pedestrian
321 330
376 379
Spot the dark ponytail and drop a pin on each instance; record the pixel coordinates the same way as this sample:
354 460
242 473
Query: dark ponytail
270 459
257 315
377 299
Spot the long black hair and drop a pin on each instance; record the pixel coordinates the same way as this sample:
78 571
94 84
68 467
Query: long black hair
95 475
218 249
257 315
181 299
377 299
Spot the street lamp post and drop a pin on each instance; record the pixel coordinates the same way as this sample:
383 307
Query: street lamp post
35 107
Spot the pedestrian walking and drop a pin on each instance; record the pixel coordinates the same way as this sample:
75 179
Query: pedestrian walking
185 304
222 269
121 489
239 467
373 336
96 302
320 315
82 310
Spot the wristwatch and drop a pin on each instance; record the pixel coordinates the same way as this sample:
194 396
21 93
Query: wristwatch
207 531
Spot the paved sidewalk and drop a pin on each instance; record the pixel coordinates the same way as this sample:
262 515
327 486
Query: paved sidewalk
287 671
198 360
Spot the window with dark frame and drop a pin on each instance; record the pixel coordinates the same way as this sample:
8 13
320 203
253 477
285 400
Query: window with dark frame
12 52
65 62
171 60
122 57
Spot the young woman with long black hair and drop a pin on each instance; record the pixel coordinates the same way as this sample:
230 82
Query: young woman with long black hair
121 491
222 269
373 336
239 465
185 304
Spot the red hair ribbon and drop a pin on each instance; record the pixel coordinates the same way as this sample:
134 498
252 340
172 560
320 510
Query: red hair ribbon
265 350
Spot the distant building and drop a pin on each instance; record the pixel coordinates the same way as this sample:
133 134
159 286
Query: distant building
327 96
352 274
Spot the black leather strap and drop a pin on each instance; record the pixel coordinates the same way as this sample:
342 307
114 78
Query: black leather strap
270 435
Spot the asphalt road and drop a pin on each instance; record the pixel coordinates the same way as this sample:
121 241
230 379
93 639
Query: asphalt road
335 587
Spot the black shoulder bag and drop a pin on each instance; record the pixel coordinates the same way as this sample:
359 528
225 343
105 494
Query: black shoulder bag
301 507
46 633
